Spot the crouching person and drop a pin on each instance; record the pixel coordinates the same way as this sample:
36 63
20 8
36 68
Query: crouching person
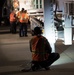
42 56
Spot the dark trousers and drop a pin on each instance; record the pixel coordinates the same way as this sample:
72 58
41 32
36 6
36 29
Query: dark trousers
13 27
51 59
23 29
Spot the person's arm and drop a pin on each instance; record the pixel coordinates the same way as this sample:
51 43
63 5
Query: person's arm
30 45
47 46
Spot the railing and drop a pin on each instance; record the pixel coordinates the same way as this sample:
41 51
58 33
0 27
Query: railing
35 22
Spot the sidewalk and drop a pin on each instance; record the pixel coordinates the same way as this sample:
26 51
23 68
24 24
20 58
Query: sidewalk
14 51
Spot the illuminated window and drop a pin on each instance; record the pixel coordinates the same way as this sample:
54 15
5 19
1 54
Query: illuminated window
37 4
40 3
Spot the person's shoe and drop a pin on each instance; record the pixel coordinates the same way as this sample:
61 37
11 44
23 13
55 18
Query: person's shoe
21 36
25 70
26 35
47 68
35 68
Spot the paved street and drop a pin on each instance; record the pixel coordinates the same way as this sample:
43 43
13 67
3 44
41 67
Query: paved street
14 51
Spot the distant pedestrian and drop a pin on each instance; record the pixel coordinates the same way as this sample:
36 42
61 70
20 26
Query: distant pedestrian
13 22
23 20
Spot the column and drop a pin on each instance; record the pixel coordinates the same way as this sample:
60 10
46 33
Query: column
68 31
49 30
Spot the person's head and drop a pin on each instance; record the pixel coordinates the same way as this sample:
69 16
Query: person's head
25 11
18 9
22 9
13 11
37 31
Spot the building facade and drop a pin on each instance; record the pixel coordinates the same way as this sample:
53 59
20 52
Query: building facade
38 4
